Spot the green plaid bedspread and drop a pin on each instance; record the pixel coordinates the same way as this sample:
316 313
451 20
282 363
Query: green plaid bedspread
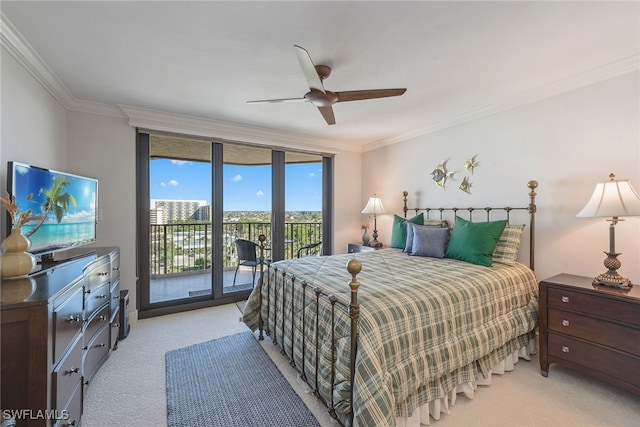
425 326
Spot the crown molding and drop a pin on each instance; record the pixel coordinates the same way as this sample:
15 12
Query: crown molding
21 50
188 125
595 75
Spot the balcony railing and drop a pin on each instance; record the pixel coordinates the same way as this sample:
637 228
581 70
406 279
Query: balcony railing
182 247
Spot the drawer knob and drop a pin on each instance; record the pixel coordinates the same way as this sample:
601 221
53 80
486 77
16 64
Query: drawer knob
565 322
73 318
102 318
565 299
115 325
73 370
565 349
70 423
116 268
102 296
101 345
103 273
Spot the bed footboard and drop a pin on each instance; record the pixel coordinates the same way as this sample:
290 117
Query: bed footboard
302 335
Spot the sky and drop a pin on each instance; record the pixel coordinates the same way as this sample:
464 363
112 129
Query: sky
245 188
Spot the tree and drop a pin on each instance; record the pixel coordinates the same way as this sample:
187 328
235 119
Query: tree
56 201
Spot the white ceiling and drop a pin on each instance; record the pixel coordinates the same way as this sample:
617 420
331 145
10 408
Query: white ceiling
205 59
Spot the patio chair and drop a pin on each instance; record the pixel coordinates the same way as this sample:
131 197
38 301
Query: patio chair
247 257
310 249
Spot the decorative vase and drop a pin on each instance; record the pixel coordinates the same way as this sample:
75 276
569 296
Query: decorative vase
16 261
17 290
365 238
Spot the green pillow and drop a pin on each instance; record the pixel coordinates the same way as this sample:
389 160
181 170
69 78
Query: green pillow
399 229
474 242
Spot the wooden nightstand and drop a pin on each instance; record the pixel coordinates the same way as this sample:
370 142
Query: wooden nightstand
353 248
592 329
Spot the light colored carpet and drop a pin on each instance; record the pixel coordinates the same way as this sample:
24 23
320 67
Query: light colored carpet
130 389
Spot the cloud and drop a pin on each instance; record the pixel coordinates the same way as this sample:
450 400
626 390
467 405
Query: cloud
259 193
163 184
180 162
173 183
236 178
312 174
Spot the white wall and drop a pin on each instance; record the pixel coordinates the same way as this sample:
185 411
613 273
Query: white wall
33 121
567 143
103 147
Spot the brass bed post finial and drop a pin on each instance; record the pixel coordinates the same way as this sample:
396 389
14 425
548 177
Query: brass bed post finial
404 202
353 267
532 221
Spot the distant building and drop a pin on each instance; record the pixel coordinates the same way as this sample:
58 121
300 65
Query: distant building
163 211
203 213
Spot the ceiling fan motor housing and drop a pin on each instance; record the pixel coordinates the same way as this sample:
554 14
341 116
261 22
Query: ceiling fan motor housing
320 99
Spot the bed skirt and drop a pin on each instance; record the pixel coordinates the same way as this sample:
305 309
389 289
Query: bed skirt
435 408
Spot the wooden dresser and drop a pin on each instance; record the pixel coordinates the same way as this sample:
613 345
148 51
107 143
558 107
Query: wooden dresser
57 328
592 329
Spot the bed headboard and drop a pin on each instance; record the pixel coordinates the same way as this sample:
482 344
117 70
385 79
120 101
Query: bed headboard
489 214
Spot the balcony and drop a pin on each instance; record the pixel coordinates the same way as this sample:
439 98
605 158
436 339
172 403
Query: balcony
181 254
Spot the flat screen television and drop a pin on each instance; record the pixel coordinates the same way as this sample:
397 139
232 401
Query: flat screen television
68 202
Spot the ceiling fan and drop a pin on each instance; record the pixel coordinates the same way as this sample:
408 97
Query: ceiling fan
322 98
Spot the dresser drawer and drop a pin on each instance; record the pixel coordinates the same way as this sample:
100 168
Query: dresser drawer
620 366
67 320
70 414
66 376
115 330
115 266
97 273
595 330
606 307
99 318
95 298
114 299
95 353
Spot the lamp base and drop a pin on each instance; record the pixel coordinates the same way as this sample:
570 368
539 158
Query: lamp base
375 244
611 277
613 280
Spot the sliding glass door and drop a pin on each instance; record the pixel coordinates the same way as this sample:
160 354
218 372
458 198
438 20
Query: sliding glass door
202 206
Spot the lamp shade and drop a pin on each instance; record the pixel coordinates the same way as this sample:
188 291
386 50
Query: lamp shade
374 206
614 198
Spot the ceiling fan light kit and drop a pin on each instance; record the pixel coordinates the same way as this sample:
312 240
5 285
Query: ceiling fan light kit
324 99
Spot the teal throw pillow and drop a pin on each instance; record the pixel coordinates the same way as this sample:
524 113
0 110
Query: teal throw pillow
399 229
474 242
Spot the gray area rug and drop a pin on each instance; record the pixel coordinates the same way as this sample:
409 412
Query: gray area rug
230 381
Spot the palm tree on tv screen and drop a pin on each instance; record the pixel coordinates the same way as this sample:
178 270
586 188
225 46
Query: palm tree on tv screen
56 201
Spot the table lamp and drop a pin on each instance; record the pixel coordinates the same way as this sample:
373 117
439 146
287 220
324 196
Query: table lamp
614 199
374 207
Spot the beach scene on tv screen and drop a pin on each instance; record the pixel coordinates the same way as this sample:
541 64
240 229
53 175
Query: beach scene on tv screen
69 202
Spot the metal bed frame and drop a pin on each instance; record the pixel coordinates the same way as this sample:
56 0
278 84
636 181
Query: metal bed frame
353 309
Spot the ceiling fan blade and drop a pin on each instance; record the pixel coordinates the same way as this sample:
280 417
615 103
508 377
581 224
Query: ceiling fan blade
275 101
357 95
327 113
308 69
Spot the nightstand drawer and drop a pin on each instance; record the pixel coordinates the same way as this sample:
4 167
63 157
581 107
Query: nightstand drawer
605 307
595 330
612 363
